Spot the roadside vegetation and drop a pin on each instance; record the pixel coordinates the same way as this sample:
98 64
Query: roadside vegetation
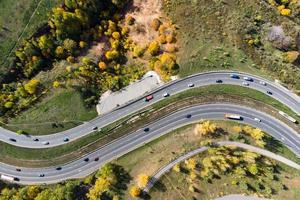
75 149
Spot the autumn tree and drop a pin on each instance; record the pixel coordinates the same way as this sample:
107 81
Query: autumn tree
205 128
143 180
135 191
31 86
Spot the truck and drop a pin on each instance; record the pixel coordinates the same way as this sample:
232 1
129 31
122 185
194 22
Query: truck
233 116
288 117
7 178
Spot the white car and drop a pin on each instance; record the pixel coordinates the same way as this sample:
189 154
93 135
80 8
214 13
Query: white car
256 119
45 143
262 83
245 83
191 84
166 94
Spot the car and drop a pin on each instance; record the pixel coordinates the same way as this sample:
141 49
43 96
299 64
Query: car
46 143
256 119
86 159
245 83
262 83
13 139
282 138
18 169
95 128
96 159
41 175
146 129
191 85
269 92
148 98
234 76
36 139
166 94
188 116
219 81
58 168
246 78
66 139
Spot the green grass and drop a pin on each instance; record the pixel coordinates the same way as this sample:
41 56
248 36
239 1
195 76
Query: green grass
23 153
228 89
66 107
13 19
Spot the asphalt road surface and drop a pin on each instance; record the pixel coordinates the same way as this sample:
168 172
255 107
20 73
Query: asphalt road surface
260 151
278 92
81 168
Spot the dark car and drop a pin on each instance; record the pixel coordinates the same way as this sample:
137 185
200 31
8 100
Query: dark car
66 139
219 81
18 169
86 159
146 129
58 168
96 159
36 139
188 116
12 139
269 92
234 76
95 128
41 175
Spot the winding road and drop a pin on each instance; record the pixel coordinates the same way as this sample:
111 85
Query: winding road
260 151
81 167
209 78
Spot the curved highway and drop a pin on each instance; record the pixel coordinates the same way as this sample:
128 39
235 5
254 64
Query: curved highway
277 92
91 162
251 148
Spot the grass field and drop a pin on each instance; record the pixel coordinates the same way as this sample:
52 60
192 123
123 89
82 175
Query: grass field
212 36
65 107
14 16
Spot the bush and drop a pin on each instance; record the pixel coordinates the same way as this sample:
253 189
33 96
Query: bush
155 24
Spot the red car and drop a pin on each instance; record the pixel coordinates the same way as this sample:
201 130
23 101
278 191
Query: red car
148 98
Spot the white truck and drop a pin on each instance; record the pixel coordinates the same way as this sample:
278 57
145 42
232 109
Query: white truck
233 116
7 178
287 117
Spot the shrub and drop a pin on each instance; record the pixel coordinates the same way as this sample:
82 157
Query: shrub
153 48
155 24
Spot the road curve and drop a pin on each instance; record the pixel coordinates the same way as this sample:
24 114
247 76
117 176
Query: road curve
209 78
80 168
260 151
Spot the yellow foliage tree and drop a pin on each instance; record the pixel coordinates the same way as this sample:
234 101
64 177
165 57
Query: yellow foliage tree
153 48
177 168
205 128
285 12
82 44
116 35
143 180
102 65
135 191
56 84
191 163
31 86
